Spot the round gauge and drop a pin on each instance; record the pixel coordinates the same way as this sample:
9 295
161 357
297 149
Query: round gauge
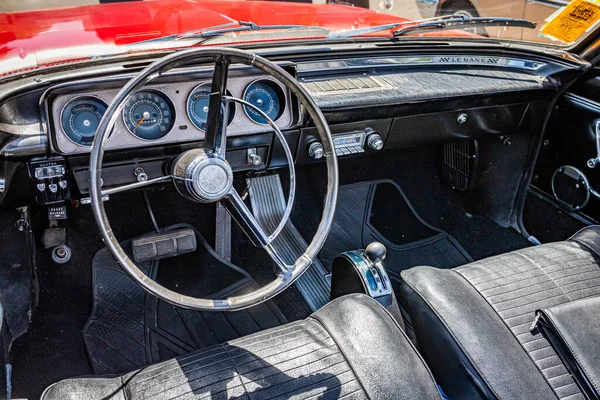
149 115
197 106
267 96
80 119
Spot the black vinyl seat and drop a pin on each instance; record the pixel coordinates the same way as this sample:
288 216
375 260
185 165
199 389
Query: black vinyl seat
351 348
472 323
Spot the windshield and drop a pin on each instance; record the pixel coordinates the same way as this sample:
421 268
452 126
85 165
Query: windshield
45 31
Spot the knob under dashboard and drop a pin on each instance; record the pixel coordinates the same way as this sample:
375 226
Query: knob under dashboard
316 150
375 141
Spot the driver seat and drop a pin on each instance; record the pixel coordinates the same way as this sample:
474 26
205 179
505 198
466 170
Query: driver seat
350 348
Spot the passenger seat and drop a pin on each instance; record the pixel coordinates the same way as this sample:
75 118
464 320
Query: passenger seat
472 322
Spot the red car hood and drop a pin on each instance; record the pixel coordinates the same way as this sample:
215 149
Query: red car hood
32 39
22 33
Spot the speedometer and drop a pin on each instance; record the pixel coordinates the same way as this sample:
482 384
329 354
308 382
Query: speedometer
266 96
149 115
80 119
197 106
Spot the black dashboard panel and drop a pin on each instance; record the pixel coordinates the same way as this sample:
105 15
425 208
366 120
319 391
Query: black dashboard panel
470 123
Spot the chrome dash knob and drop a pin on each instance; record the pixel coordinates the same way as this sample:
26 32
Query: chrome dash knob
140 174
316 150
375 141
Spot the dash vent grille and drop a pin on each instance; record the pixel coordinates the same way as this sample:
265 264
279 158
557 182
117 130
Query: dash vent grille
342 84
457 164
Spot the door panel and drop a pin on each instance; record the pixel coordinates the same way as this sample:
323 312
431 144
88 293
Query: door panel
569 143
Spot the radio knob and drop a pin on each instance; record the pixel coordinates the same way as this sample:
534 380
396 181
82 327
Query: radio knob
375 141
316 151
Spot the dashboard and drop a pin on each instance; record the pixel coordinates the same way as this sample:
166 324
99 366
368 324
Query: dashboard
164 113
173 109
372 103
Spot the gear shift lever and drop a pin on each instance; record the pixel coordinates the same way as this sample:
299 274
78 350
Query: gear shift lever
362 271
376 252
367 265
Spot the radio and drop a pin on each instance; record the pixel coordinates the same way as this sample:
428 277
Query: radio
349 143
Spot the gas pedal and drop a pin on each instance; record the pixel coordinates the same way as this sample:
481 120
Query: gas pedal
268 207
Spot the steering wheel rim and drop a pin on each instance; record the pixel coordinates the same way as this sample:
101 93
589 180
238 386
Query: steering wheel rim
215 138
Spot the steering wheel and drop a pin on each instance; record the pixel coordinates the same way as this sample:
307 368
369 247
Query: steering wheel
204 175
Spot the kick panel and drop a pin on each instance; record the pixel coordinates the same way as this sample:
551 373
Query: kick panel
567 171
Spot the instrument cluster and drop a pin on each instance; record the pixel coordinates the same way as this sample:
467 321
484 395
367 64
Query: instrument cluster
167 113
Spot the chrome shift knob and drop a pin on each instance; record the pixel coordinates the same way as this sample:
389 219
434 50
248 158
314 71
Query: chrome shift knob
376 252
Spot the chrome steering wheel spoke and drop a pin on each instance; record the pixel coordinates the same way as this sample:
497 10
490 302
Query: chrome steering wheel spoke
136 185
239 211
218 110
245 219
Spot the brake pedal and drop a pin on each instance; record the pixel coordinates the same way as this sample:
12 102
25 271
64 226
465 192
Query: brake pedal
156 246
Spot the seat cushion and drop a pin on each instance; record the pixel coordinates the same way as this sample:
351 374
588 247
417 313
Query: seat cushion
351 348
472 323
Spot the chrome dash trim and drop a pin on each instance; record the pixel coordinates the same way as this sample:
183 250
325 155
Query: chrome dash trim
425 60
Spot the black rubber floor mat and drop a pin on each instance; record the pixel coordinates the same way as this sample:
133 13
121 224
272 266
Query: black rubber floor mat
129 328
380 211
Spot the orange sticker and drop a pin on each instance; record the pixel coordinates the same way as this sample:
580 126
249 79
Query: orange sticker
572 21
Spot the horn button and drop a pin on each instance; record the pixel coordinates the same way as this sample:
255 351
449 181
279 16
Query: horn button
201 176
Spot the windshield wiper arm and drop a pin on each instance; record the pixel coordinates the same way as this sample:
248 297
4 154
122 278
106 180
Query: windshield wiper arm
460 21
363 31
242 26
443 22
378 28
219 30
